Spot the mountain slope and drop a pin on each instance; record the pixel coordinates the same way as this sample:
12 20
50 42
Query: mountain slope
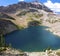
5 16
22 13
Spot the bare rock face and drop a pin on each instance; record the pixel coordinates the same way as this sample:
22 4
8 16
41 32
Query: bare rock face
5 16
23 5
7 26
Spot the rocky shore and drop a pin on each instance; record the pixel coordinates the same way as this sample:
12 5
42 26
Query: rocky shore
54 28
14 52
46 53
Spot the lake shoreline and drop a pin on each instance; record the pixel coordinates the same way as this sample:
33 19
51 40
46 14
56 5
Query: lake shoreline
11 52
53 27
46 53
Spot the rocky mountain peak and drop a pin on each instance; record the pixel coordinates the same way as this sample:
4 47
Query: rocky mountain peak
23 5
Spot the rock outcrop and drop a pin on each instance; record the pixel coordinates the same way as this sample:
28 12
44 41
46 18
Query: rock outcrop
12 52
6 26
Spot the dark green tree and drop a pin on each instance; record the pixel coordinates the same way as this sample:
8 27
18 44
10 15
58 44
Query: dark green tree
2 40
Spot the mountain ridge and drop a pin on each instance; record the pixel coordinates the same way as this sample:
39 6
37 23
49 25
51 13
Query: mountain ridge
24 5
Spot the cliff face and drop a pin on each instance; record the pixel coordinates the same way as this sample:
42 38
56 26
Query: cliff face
6 26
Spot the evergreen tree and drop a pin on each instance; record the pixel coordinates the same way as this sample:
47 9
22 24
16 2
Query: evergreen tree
2 40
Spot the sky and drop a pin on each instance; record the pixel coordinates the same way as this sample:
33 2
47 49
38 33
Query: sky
52 4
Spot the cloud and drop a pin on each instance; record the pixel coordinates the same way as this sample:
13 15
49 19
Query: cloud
21 0
53 6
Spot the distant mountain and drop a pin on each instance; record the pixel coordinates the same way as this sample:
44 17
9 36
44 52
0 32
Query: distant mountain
23 5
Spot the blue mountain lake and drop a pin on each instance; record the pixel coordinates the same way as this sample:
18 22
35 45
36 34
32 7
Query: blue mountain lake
34 38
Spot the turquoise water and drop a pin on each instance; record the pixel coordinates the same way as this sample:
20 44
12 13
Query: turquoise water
34 38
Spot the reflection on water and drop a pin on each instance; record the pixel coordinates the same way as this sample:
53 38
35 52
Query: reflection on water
34 38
